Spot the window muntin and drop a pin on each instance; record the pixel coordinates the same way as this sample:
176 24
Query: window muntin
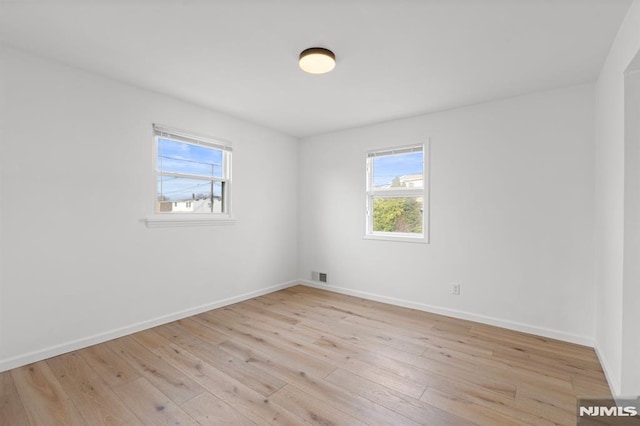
193 174
396 194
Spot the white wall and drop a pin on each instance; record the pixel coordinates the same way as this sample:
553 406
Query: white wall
76 182
512 204
631 270
612 287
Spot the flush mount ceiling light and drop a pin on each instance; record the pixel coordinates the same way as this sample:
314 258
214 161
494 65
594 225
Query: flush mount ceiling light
317 60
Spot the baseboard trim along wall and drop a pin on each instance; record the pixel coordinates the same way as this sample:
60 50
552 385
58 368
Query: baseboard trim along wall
39 355
511 325
613 384
9 363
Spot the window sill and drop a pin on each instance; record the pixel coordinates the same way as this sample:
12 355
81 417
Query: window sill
188 220
397 237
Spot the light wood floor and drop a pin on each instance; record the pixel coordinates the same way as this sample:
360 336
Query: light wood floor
301 356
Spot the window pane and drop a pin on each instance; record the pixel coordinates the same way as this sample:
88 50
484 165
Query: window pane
397 214
182 195
400 170
180 157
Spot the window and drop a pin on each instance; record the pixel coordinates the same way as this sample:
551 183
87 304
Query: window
397 202
193 175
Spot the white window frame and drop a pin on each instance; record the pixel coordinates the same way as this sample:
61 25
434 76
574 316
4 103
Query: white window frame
178 219
372 192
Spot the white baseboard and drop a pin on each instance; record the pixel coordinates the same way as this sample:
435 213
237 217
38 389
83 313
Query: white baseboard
39 355
611 381
511 325
24 359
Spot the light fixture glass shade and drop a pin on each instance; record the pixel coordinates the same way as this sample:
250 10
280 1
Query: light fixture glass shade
317 60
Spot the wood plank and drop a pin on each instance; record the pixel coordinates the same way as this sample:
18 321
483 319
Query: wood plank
562 368
414 409
237 395
468 364
491 401
11 409
108 365
399 378
249 335
428 335
151 339
150 405
264 319
349 328
551 399
355 306
178 335
43 398
252 306
463 407
251 324
167 379
527 343
278 367
349 403
501 385
352 404
337 354
205 334
7 387
590 388
251 376
311 409
206 409
557 408
351 331
407 380
235 367
94 399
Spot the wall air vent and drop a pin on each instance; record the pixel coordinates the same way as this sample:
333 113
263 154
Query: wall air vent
319 276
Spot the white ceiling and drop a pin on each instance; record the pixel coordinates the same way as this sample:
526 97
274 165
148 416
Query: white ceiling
395 57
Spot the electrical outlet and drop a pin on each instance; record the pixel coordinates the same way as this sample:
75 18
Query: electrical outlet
455 289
